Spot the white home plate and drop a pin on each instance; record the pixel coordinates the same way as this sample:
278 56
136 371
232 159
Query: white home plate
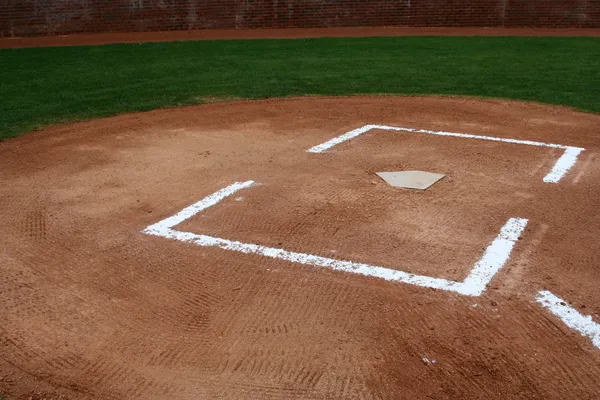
411 179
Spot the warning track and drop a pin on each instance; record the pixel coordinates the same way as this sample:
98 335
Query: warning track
95 308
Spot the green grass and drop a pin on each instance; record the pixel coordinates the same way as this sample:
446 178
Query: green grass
43 86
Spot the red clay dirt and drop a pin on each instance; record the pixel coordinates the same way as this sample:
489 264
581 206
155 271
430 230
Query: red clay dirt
93 308
214 34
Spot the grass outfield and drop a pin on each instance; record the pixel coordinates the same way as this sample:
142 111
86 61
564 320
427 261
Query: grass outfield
42 86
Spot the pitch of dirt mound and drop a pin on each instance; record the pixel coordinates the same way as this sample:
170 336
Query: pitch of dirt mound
94 308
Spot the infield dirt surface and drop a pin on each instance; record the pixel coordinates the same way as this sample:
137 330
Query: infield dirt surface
94 308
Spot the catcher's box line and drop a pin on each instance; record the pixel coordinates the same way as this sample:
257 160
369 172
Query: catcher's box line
493 259
561 167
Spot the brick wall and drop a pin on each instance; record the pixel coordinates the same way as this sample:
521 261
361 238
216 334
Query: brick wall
53 17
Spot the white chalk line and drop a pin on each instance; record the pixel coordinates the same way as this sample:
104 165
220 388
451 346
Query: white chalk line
482 273
571 317
495 256
561 167
201 205
563 164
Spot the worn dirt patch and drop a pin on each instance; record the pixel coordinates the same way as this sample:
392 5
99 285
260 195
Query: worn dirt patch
93 308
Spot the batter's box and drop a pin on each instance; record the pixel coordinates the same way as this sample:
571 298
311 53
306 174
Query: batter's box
494 257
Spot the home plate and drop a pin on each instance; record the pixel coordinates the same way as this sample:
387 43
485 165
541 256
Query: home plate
411 179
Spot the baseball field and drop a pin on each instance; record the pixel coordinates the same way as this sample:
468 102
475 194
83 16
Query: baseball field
204 219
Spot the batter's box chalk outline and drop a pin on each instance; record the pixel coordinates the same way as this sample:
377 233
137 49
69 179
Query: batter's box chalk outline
561 167
493 259
570 316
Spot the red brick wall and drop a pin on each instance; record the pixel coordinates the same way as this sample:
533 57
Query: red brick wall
52 17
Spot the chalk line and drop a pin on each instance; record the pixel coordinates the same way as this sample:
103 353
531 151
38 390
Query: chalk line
483 271
561 167
495 256
571 317
563 164
337 140
201 205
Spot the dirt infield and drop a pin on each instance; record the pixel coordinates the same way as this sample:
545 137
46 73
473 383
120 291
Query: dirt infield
95 308
213 34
